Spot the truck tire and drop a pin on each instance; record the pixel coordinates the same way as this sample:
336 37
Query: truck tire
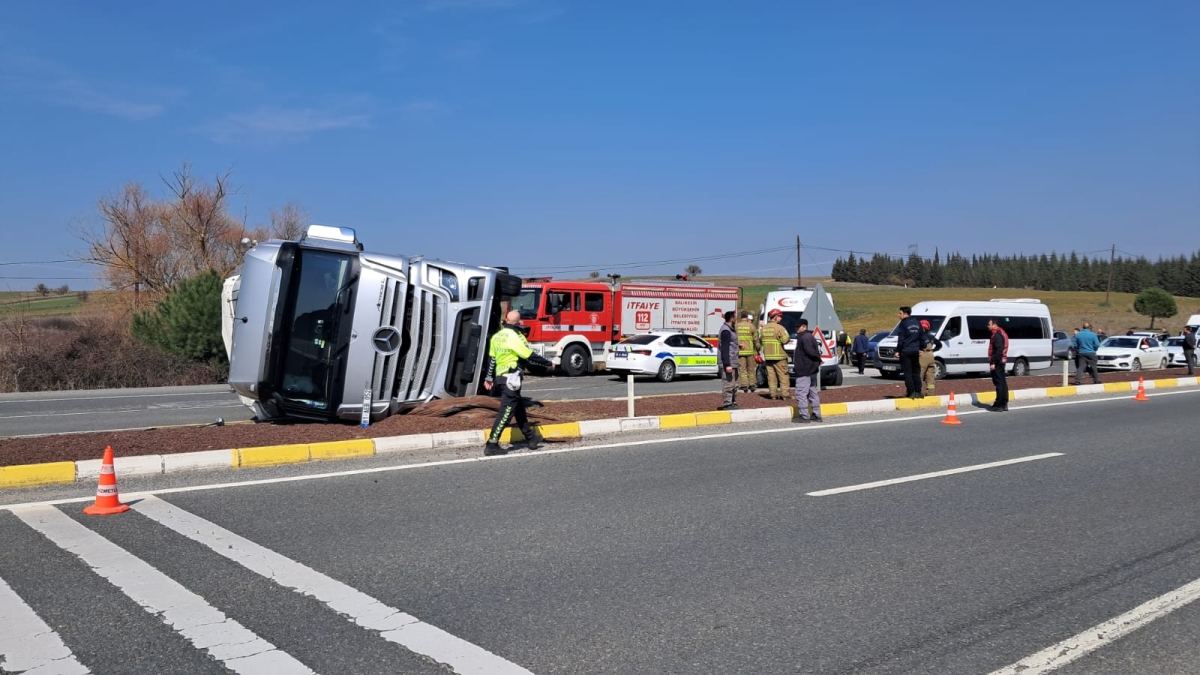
508 284
574 361
889 374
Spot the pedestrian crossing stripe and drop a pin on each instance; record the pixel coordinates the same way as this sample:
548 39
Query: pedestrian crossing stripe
206 627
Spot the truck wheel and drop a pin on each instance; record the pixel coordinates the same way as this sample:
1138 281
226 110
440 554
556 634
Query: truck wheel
834 380
508 284
1020 368
939 369
574 361
666 372
889 374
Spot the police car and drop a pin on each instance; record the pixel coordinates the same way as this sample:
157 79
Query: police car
664 354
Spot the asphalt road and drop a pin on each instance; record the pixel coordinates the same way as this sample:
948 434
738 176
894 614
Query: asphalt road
758 549
57 412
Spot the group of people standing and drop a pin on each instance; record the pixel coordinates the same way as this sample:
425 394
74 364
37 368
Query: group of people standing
741 346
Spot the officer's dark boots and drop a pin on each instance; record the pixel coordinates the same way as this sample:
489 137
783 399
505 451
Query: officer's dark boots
492 449
532 440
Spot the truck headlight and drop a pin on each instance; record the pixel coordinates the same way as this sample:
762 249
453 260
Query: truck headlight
450 283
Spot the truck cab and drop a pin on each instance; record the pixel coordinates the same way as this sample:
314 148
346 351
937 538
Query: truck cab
321 329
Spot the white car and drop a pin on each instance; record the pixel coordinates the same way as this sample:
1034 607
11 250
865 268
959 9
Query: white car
1130 352
1175 349
664 354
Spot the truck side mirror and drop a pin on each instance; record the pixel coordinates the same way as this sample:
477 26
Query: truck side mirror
553 305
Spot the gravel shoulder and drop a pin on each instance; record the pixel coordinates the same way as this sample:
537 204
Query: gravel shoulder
169 440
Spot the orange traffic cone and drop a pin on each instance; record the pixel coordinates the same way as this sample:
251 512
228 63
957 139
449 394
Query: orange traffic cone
107 501
1141 395
951 412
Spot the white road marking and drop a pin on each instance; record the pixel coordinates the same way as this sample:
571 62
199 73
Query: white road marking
152 408
932 474
574 448
105 398
392 624
1103 634
27 644
188 614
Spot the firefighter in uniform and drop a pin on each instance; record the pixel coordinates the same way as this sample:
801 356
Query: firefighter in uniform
508 353
774 337
749 344
929 345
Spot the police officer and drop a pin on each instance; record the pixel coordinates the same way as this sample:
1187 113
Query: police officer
774 337
749 344
508 353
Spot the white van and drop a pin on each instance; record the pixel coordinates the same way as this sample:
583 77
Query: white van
962 329
1193 322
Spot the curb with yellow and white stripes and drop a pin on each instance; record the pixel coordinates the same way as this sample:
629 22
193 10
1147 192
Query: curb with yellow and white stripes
50 473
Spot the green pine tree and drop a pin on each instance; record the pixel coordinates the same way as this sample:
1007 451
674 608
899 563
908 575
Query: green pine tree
188 321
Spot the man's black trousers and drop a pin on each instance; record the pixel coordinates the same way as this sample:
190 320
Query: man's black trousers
1000 379
910 363
511 404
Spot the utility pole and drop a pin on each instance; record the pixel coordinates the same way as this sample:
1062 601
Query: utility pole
1112 257
799 279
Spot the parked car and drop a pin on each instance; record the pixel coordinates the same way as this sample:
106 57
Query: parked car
1129 352
664 354
1062 345
873 347
1175 349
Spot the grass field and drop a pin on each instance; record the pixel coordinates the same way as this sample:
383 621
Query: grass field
874 307
28 304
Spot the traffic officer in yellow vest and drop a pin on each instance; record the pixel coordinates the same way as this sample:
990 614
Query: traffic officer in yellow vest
749 345
774 337
508 354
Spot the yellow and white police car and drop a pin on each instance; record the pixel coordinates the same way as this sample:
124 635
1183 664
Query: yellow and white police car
664 354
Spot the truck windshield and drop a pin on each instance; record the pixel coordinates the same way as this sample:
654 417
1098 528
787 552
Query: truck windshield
313 319
527 302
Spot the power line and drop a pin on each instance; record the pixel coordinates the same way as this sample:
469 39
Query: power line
39 262
54 278
654 263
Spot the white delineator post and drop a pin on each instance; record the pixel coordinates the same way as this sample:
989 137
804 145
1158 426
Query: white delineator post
629 395
1065 361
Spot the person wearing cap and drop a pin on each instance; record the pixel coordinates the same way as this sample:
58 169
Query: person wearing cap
808 375
929 345
908 346
774 337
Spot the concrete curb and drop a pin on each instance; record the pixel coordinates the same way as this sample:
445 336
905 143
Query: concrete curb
50 473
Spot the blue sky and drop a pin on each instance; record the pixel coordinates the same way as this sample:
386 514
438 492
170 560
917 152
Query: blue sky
547 134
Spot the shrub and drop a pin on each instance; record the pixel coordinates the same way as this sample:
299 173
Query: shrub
188 321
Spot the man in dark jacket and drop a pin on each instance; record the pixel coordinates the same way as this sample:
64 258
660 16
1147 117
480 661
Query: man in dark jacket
908 347
997 362
1189 349
861 346
727 362
807 367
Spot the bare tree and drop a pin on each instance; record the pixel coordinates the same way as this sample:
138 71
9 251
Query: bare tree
143 244
289 222
42 290
693 270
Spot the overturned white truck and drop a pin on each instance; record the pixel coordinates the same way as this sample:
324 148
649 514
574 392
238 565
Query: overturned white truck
319 329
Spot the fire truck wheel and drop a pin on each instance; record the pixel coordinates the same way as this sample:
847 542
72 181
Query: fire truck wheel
574 361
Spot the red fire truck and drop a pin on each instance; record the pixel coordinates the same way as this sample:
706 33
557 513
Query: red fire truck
573 323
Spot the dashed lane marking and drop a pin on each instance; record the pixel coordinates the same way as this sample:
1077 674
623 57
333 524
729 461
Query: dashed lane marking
932 474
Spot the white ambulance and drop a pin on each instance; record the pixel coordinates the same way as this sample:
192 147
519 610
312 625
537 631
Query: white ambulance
962 329
797 302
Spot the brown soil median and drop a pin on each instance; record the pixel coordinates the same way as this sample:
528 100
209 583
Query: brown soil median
169 440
